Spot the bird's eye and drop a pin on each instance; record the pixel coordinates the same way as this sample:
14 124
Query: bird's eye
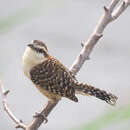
40 51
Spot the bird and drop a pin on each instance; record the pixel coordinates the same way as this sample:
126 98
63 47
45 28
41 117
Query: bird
53 79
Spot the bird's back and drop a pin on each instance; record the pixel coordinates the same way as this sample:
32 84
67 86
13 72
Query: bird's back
54 78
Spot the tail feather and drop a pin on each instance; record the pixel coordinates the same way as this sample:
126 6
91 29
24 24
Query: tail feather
92 91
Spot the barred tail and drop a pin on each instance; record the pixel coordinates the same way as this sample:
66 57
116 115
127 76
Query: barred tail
101 94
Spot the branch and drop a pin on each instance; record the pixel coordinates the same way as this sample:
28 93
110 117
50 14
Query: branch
6 107
120 9
37 121
110 14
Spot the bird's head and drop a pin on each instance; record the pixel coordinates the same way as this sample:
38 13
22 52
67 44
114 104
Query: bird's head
38 47
36 52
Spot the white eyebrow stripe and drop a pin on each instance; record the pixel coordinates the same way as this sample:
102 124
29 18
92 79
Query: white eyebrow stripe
38 46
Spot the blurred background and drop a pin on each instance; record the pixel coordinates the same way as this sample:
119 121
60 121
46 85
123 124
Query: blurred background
62 24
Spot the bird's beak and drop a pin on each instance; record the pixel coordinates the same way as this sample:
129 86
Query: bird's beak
30 45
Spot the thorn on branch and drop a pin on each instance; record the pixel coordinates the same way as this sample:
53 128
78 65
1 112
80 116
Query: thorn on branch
21 121
106 9
124 3
18 126
6 92
87 58
82 43
99 35
4 107
80 56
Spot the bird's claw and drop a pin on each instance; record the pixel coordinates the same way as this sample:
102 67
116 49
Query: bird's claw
41 115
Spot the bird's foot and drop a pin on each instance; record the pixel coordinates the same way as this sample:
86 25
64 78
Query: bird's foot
37 114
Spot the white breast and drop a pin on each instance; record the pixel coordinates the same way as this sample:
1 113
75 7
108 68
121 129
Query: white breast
30 59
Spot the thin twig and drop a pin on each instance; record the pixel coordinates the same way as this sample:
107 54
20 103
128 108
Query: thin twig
109 15
120 9
6 107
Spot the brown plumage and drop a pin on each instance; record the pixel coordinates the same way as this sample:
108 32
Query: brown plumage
53 79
